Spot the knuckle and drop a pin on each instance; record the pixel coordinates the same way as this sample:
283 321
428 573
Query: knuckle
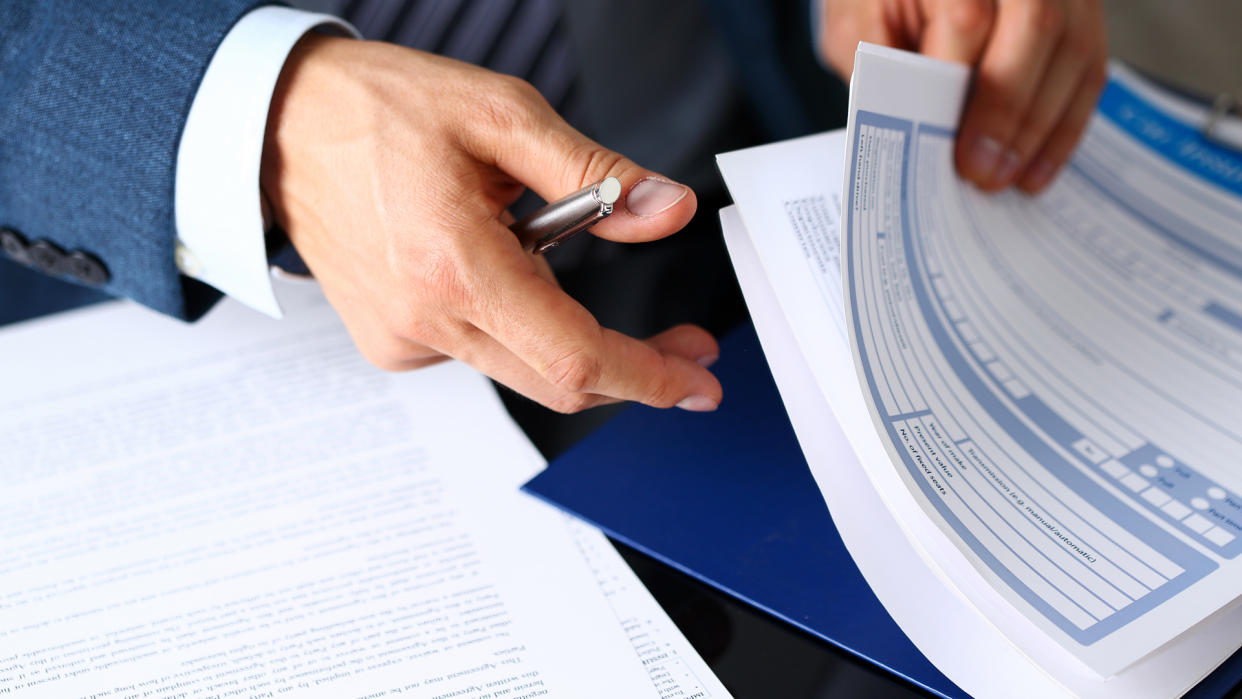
574 372
384 355
518 91
665 393
438 272
971 17
390 366
999 108
1081 48
511 105
423 362
589 163
440 277
661 399
411 325
1046 16
426 319
569 403
1096 77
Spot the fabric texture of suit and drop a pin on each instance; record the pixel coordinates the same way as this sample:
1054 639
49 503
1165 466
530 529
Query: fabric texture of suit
96 93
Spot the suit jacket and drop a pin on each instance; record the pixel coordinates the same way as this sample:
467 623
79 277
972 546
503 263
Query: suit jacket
96 96
96 93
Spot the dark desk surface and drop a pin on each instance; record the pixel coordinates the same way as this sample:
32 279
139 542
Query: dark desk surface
755 655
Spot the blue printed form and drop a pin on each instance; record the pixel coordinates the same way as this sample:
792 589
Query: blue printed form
1024 413
1059 379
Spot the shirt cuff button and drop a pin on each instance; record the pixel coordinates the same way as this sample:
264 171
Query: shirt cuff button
188 262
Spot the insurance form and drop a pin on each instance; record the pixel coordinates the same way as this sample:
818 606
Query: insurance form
1059 378
1039 391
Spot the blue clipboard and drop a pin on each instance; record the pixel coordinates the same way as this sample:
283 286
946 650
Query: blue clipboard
727 498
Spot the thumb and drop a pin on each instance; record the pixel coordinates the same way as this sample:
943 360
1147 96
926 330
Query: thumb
548 155
956 30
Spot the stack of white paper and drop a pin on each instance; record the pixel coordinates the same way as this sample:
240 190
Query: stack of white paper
245 508
1041 395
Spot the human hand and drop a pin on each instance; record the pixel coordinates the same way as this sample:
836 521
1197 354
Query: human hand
1040 66
391 170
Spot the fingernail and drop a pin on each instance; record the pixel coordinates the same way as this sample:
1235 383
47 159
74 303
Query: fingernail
707 360
652 196
1038 175
1007 169
982 155
698 404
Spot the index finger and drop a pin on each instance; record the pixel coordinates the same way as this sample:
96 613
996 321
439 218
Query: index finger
563 342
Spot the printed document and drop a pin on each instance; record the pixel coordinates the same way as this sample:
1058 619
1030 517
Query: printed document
1050 386
245 508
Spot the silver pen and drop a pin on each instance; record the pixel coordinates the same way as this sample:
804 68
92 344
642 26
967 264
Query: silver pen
563 219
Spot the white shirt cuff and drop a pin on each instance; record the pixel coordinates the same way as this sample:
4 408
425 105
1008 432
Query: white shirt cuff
219 216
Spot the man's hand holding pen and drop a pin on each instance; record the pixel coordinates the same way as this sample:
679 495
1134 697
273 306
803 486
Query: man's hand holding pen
391 171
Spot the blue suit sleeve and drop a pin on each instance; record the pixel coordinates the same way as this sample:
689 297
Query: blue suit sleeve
95 96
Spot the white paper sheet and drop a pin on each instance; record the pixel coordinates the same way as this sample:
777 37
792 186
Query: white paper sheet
673 666
246 508
1060 377
942 625
787 194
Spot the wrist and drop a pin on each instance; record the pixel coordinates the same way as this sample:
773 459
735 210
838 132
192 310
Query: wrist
300 97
